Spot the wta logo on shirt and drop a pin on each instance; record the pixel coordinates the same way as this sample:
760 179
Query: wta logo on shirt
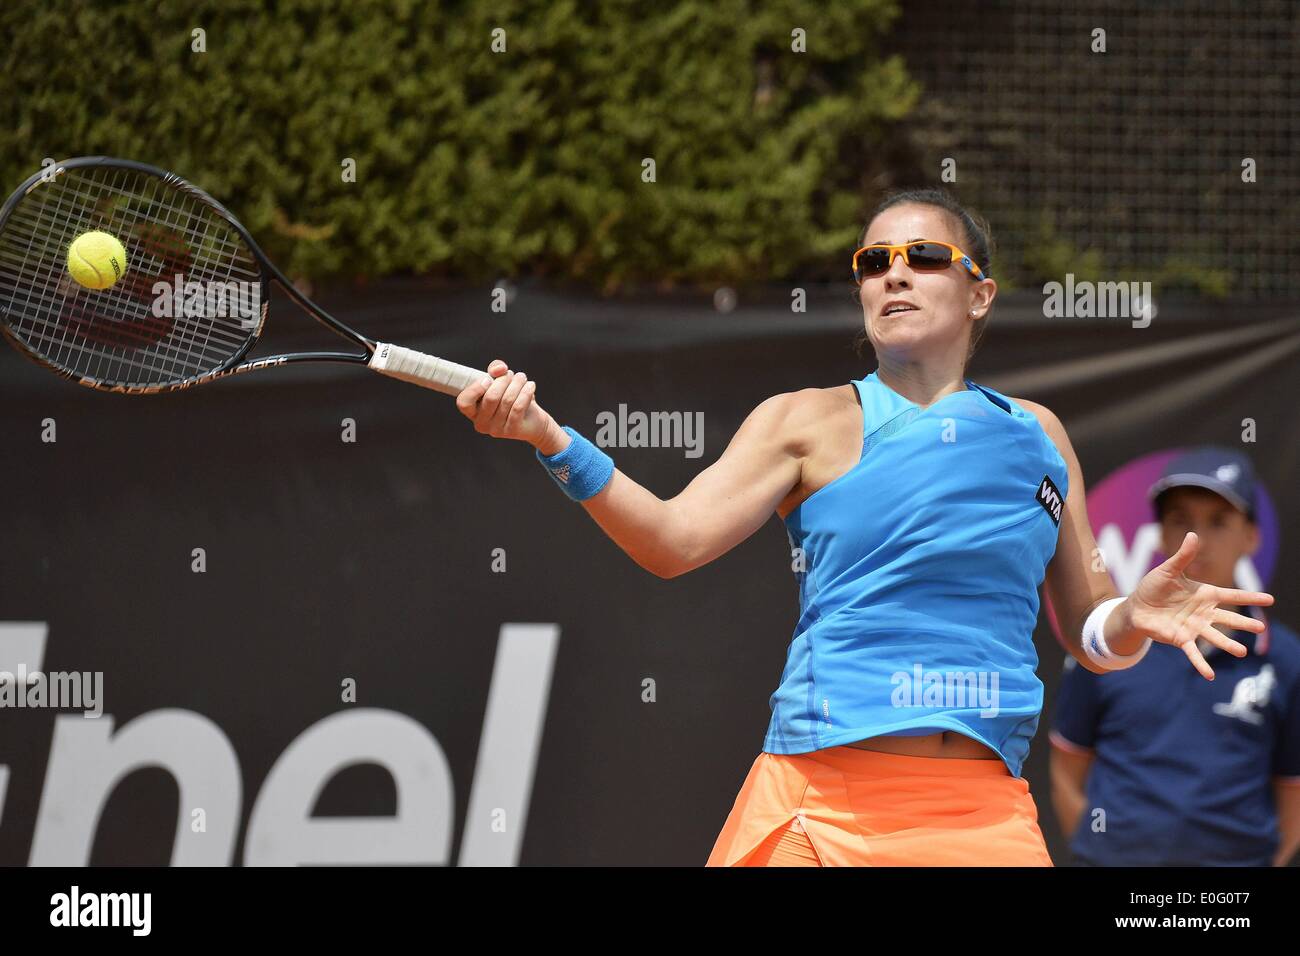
1049 496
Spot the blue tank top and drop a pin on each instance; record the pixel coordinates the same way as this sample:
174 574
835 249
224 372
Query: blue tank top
918 574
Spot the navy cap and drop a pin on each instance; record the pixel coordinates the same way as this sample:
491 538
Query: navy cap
1227 473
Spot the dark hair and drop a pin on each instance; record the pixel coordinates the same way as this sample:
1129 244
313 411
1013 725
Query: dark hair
978 244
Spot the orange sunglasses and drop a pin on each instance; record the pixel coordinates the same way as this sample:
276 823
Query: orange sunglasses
926 255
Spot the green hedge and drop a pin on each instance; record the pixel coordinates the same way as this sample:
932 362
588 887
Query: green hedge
473 164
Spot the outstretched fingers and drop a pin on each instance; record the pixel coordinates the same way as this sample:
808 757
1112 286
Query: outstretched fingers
1222 641
1177 563
1198 660
1237 621
1234 596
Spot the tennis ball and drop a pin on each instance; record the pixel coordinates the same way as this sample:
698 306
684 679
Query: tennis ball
96 260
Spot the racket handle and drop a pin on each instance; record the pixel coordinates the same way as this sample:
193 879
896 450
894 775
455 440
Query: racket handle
417 368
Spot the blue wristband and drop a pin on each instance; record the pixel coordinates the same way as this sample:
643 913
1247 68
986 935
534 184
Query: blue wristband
581 469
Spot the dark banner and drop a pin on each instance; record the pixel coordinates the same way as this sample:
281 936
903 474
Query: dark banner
314 617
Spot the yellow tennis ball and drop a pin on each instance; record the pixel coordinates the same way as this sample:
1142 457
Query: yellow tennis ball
96 260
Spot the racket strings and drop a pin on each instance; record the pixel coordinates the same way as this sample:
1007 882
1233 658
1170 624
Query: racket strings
129 325
125 329
164 254
125 334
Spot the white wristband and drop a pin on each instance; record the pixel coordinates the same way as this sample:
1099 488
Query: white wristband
1094 640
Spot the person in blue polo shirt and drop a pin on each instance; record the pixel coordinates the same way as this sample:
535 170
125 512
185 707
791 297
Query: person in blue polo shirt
1155 766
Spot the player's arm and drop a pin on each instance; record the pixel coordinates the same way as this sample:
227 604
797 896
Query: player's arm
721 507
1076 578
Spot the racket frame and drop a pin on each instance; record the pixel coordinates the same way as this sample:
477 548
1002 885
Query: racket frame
234 365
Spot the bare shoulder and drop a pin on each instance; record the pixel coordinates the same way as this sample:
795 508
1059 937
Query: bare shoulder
1046 417
1051 425
812 403
772 427
812 409
823 430
810 423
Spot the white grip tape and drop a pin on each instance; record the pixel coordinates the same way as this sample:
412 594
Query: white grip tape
420 369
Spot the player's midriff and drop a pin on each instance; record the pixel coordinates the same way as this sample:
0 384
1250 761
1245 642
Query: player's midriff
944 744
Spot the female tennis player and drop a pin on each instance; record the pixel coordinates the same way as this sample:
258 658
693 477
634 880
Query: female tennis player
924 511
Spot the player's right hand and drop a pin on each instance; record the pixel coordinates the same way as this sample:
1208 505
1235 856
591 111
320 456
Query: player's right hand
504 408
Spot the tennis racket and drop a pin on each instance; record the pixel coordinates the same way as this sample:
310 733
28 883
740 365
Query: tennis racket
191 302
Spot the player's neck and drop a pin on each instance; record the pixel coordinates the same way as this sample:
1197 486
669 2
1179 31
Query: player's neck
920 383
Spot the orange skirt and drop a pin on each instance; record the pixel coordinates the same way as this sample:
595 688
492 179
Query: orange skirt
865 808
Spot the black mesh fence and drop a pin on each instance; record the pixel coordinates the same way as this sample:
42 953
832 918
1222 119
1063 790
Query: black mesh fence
1126 163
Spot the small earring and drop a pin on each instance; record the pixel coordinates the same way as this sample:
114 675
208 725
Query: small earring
972 311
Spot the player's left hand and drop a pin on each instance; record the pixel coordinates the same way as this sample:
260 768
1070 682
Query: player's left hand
1174 609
